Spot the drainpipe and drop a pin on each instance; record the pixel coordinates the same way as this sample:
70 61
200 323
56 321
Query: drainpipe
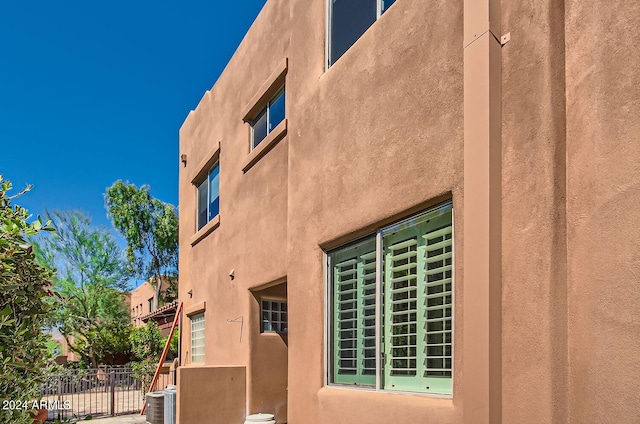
482 246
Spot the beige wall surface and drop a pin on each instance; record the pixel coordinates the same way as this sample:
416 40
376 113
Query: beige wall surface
268 363
384 133
603 204
140 302
534 228
211 395
374 138
251 237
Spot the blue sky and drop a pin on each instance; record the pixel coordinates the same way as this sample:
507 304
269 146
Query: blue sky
95 91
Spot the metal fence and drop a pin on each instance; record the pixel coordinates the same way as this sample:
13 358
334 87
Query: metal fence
96 392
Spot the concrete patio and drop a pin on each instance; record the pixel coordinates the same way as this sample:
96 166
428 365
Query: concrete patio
122 419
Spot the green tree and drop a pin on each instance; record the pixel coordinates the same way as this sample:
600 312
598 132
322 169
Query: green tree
146 345
150 228
92 274
24 308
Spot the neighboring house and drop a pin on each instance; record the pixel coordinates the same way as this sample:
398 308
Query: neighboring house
64 355
141 303
412 212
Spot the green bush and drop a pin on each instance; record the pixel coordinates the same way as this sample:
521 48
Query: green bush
146 345
25 309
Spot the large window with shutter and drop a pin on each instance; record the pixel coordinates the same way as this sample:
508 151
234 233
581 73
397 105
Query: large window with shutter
391 307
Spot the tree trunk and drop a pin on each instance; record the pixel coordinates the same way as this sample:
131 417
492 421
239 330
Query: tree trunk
158 289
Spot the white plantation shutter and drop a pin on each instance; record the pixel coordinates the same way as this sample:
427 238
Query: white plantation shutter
354 338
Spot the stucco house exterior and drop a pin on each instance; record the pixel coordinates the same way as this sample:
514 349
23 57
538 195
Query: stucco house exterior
406 211
142 303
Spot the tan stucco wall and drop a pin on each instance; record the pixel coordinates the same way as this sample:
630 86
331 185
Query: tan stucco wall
211 395
140 302
533 227
603 204
385 133
140 298
367 147
268 362
251 237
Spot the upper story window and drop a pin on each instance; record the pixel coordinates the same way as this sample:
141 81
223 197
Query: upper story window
348 20
150 301
392 292
268 118
209 196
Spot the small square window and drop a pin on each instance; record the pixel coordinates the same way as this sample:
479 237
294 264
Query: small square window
273 316
268 118
209 196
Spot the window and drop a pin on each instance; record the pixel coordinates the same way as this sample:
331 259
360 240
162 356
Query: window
392 294
274 316
268 118
197 338
150 304
209 196
348 20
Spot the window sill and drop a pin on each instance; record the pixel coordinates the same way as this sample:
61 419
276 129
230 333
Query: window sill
206 230
265 145
348 387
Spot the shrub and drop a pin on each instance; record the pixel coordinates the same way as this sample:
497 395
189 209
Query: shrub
25 309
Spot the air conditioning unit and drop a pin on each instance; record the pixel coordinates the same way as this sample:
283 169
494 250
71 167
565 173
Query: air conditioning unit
155 407
170 405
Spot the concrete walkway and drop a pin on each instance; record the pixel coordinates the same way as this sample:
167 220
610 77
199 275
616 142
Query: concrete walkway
121 419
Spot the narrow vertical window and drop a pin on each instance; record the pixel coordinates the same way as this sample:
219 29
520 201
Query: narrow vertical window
197 338
208 193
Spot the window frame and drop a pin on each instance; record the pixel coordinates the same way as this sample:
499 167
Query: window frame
281 91
380 9
380 288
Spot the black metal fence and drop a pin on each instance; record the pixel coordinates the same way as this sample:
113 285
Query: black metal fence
96 392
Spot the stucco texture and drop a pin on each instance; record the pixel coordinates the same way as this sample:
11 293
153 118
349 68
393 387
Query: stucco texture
384 133
374 138
603 200
534 228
